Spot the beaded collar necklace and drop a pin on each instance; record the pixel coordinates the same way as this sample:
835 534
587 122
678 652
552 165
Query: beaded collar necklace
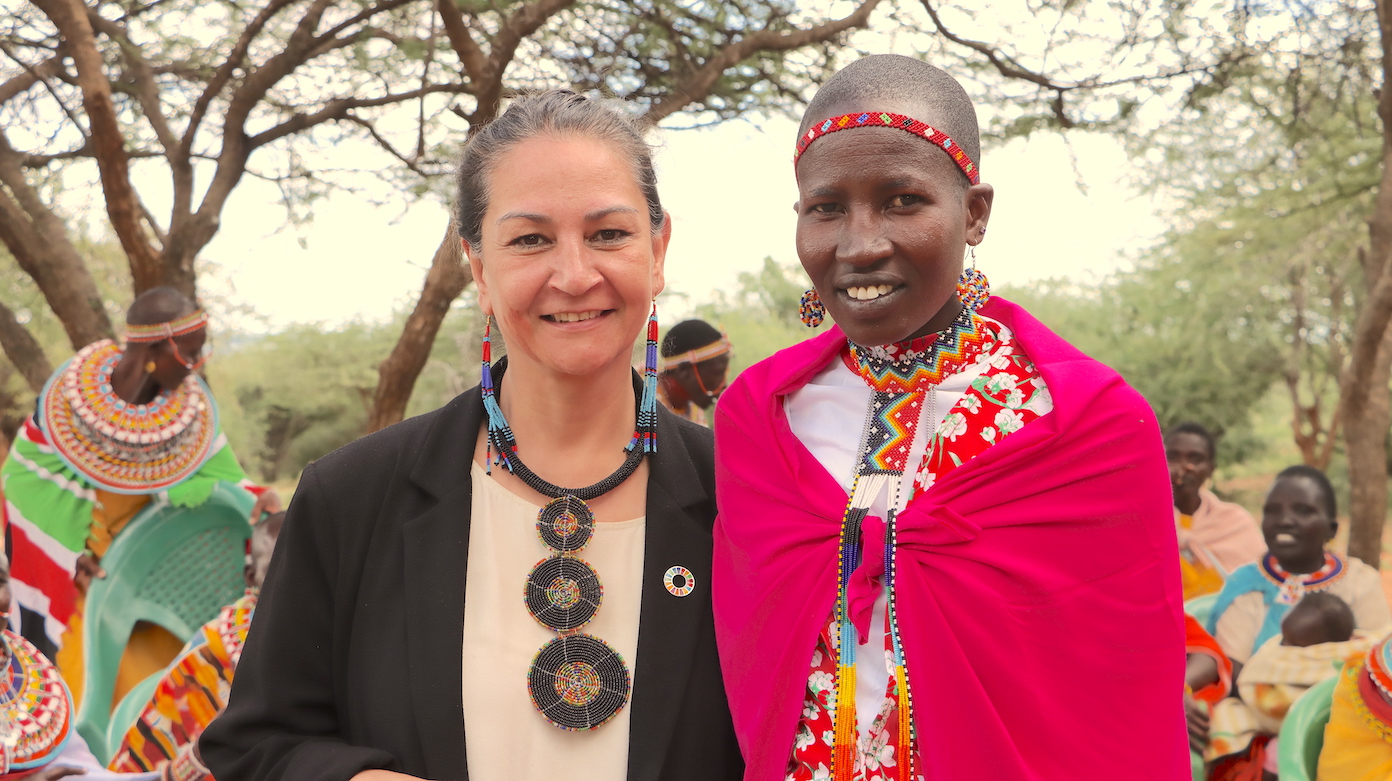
1292 587
123 447
903 378
904 367
36 708
577 681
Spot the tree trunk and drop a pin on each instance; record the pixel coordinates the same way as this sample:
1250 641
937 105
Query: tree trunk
1366 446
446 280
23 350
1363 389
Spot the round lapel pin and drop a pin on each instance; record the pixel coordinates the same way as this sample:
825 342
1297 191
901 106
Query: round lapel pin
679 581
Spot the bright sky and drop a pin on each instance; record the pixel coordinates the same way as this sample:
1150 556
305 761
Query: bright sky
730 190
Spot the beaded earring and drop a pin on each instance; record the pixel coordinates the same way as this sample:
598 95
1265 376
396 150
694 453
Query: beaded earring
647 410
812 311
973 289
497 424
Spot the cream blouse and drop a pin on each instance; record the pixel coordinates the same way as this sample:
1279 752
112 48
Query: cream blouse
506 739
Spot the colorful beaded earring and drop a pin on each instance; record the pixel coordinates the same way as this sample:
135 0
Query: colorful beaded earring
973 289
811 310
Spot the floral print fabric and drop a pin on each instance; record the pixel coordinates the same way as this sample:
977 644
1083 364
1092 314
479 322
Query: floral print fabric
1007 395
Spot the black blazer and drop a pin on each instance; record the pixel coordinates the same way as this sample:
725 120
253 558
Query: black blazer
355 658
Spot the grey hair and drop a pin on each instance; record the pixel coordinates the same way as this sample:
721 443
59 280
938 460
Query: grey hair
556 112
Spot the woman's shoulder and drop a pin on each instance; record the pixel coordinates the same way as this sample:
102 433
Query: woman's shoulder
394 452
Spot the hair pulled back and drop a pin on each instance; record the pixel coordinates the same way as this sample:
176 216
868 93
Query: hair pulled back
557 112
1321 481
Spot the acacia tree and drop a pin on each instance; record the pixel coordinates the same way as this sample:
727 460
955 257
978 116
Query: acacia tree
175 102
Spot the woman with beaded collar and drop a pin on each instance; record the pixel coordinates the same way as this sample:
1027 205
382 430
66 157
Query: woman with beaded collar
390 638
944 539
116 426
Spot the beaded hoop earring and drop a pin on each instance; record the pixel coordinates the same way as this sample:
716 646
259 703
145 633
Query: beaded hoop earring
973 289
811 310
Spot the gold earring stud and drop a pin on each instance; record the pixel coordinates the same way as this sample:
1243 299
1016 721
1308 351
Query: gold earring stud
149 367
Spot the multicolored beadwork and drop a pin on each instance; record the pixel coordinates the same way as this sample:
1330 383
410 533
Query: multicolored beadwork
811 310
903 379
35 705
973 289
578 682
122 447
880 119
158 332
1294 587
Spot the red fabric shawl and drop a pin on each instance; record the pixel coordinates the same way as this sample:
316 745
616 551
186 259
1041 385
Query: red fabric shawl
1039 587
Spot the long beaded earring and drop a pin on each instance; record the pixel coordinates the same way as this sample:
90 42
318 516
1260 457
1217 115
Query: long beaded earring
498 429
811 310
973 289
647 410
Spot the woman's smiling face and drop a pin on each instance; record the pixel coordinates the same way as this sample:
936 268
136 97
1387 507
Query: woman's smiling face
1296 524
569 263
884 218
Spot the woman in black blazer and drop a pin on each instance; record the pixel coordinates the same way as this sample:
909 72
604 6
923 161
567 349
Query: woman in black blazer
396 631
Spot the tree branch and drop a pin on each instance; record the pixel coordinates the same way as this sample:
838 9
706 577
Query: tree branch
70 16
462 41
696 86
23 350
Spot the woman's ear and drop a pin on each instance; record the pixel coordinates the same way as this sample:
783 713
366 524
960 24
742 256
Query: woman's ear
661 239
979 197
480 284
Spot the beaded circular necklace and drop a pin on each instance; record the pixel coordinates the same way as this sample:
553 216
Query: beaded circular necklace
1292 587
122 447
35 706
576 681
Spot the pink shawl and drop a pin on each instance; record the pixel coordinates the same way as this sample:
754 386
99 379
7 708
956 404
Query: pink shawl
1224 530
1039 582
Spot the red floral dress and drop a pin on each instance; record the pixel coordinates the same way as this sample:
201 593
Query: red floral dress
1008 394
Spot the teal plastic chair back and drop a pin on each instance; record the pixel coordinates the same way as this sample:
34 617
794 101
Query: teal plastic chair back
171 566
1302 733
1201 607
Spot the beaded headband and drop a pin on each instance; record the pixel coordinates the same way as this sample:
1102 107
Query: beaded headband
880 119
158 332
713 350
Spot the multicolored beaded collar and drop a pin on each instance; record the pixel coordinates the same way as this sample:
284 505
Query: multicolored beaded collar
905 367
881 119
158 332
35 707
122 447
1293 587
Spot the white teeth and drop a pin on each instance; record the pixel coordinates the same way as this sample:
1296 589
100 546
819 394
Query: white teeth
869 293
575 317
1285 537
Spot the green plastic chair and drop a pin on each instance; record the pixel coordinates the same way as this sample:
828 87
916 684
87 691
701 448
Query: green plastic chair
1201 607
1302 732
171 566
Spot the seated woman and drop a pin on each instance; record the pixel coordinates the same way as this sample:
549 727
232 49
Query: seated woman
1215 537
1299 518
1358 738
390 640
945 543
1315 635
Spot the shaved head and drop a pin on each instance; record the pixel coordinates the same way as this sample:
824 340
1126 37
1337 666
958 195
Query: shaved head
900 85
159 305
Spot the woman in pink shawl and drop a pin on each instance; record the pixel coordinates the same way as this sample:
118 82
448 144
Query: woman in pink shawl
979 510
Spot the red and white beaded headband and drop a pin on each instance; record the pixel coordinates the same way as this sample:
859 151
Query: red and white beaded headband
712 350
158 332
880 119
